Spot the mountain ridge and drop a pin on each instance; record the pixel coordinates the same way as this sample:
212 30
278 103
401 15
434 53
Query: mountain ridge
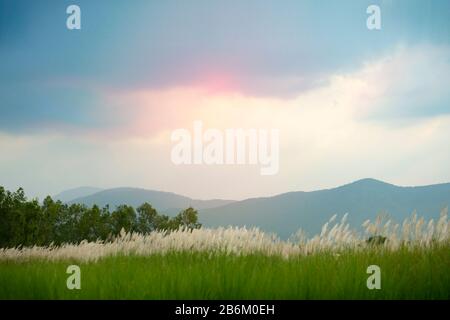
161 200
70 194
363 199
285 213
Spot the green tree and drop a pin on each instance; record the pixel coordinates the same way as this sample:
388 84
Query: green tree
48 221
124 217
188 218
68 230
27 222
147 220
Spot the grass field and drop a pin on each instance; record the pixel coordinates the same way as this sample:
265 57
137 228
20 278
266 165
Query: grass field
240 263
405 274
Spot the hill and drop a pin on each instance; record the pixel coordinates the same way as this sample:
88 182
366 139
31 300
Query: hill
166 202
75 193
284 214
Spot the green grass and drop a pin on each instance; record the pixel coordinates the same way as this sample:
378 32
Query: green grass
405 274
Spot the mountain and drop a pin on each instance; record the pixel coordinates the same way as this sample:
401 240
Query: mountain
166 202
71 194
284 214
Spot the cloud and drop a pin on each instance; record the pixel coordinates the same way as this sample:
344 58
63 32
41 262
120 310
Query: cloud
97 107
329 134
405 85
34 107
409 83
267 49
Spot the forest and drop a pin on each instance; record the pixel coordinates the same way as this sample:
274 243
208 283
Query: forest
25 222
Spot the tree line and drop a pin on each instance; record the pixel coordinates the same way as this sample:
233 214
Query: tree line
27 222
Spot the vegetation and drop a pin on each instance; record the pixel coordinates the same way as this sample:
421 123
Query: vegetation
26 222
405 274
128 254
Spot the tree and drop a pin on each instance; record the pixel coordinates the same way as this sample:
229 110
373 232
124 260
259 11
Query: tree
124 217
188 218
27 222
91 226
68 230
147 220
48 220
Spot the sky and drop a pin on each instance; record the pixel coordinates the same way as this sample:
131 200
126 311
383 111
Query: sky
97 106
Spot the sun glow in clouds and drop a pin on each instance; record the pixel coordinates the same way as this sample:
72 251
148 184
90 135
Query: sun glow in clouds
389 112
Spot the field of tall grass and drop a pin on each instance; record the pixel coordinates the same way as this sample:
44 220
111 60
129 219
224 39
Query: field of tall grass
239 263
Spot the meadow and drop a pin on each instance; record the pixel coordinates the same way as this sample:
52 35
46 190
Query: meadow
239 263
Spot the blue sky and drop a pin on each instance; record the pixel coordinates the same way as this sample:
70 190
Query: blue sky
82 95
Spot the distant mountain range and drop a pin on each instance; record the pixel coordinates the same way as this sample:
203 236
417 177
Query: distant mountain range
284 214
364 199
165 202
71 194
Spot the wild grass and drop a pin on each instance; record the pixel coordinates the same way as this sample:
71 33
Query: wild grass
239 263
405 274
335 236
